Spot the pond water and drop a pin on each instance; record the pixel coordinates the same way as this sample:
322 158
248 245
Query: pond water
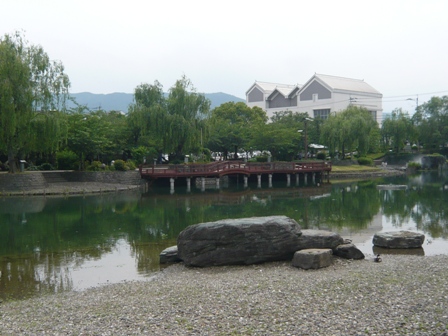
63 244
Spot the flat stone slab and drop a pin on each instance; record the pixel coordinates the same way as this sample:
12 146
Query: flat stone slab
313 258
398 239
241 241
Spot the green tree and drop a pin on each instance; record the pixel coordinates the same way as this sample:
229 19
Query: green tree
174 124
431 120
91 136
284 136
232 125
396 130
147 119
187 111
281 140
33 90
351 129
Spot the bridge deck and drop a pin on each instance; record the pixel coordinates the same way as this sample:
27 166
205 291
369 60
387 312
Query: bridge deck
221 168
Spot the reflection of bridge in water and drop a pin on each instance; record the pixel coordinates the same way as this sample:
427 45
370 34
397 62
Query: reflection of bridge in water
240 197
304 169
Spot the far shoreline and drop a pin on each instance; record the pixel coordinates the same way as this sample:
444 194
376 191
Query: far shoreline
77 188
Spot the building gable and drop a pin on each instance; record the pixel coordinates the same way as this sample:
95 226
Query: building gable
277 100
315 88
255 95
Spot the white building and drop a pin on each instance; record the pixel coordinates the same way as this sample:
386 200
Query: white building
319 97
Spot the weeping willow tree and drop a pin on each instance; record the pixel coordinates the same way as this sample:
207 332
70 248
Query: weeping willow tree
172 124
146 116
351 129
187 111
33 93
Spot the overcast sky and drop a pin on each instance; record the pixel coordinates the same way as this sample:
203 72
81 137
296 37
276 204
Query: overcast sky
398 47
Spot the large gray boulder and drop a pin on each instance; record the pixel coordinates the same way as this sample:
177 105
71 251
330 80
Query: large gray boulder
319 239
239 241
398 239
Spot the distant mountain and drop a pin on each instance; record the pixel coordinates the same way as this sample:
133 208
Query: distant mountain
121 101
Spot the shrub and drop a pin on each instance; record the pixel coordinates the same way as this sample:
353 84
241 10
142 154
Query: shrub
365 161
46 166
120 165
262 159
131 165
32 168
321 156
95 166
415 165
142 152
67 160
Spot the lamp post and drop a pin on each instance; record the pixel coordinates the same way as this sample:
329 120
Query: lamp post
416 102
416 109
300 156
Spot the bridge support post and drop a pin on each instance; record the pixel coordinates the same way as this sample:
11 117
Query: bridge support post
188 184
172 184
259 181
202 183
217 183
245 181
305 176
288 179
270 180
297 180
314 177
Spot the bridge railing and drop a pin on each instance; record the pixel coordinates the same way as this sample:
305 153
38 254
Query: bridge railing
221 167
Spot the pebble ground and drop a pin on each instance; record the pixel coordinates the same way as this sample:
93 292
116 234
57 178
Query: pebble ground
402 295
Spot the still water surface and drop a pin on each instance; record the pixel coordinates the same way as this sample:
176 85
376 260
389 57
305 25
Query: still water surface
64 244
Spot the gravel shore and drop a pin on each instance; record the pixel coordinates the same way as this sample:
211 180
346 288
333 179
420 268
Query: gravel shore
402 295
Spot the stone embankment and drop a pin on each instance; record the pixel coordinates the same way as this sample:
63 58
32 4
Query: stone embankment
384 172
64 182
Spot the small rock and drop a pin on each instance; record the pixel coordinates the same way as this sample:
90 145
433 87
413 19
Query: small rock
313 258
169 255
348 251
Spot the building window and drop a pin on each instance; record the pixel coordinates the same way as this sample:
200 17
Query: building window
373 115
322 113
315 97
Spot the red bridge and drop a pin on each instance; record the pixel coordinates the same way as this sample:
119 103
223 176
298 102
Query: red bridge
221 168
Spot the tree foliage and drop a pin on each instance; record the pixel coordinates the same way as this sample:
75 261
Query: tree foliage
352 129
233 125
396 130
33 92
431 120
174 124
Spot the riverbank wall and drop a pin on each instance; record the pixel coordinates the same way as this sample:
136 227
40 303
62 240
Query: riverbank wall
26 181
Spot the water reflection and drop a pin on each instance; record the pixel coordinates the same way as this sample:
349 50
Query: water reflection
59 244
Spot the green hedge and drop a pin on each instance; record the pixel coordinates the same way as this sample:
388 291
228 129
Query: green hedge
365 161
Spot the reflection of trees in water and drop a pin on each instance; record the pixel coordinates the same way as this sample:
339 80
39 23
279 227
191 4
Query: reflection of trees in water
37 255
147 255
50 272
424 202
